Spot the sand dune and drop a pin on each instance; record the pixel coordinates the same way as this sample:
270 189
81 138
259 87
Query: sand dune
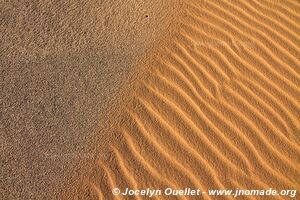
213 104
220 106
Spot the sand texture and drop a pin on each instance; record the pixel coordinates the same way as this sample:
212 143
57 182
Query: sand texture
220 107
63 65
214 103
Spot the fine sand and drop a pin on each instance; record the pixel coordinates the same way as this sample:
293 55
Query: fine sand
210 100
63 67
219 108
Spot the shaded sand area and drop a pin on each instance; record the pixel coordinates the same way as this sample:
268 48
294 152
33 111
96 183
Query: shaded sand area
63 65
218 109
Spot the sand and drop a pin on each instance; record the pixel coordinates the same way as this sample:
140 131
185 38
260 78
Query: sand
196 94
63 65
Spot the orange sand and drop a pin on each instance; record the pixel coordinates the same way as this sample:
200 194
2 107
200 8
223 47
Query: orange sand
214 104
219 108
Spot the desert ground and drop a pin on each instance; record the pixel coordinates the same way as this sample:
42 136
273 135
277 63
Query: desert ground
100 96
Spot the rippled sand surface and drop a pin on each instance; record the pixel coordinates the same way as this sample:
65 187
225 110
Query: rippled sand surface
211 100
